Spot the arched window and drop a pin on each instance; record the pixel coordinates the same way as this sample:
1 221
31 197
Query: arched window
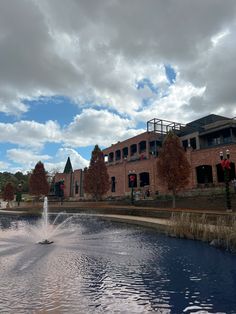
133 149
142 147
204 174
144 179
125 152
118 154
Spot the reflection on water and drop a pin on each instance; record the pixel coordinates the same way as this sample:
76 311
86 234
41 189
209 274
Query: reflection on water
96 266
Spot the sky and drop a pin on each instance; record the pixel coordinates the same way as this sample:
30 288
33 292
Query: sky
78 73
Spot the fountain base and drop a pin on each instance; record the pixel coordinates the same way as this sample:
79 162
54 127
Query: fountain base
45 242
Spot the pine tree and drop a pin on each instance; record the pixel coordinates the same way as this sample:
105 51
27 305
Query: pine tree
173 167
8 193
38 184
96 178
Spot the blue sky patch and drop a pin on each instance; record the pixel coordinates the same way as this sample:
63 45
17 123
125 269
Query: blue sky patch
56 108
147 82
170 73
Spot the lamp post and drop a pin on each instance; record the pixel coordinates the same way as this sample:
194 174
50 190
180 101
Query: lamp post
19 194
132 180
225 163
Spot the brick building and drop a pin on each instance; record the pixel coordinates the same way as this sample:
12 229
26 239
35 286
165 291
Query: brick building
202 139
69 183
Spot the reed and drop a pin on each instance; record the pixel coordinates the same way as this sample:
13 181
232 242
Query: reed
220 233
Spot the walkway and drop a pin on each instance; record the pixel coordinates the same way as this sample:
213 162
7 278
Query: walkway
158 223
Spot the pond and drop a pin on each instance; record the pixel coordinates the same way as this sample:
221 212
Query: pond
98 266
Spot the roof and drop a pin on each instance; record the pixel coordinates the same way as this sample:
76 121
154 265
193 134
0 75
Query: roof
199 125
68 166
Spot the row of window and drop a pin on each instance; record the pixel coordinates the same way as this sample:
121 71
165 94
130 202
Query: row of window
203 172
192 143
132 180
133 150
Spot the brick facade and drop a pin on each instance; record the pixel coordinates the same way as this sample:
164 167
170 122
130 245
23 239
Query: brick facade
202 139
73 183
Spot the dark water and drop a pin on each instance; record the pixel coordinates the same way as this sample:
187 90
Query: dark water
96 266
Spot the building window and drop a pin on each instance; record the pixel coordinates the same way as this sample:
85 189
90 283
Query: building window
76 187
193 143
153 147
185 144
144 179
204 174
133 149
142 147
110 157
220 173
113 184
125 152
118 155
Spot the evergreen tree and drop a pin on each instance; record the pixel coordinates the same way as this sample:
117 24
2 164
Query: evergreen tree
8 193
173 167
96 178
38 184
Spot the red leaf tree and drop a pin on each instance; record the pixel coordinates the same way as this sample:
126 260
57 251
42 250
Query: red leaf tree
96 178
173 167
38 184
8 193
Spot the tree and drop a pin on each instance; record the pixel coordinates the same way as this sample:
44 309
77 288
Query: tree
38 184
173 167
8 193
96 178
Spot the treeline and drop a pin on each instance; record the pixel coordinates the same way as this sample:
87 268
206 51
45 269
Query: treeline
15 180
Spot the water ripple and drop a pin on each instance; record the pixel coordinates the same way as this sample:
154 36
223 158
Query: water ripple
101 267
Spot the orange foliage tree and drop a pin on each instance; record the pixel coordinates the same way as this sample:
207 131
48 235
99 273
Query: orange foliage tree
38 184
173 167
8 193
96 178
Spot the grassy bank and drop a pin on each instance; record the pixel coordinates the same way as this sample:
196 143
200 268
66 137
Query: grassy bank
220 232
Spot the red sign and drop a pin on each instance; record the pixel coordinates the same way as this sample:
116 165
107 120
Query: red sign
225 163
132 178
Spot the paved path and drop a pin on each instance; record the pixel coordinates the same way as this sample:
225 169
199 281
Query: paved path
158 223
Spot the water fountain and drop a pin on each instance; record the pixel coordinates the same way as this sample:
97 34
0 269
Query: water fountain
45 222
97 266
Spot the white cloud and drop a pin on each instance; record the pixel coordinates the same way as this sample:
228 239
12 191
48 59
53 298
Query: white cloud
77 161
30 133
96 51
98 127
26 158
4 166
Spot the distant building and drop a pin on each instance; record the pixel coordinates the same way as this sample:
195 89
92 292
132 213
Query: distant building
202 139
69 183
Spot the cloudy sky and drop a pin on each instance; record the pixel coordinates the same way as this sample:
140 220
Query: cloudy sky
77 73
